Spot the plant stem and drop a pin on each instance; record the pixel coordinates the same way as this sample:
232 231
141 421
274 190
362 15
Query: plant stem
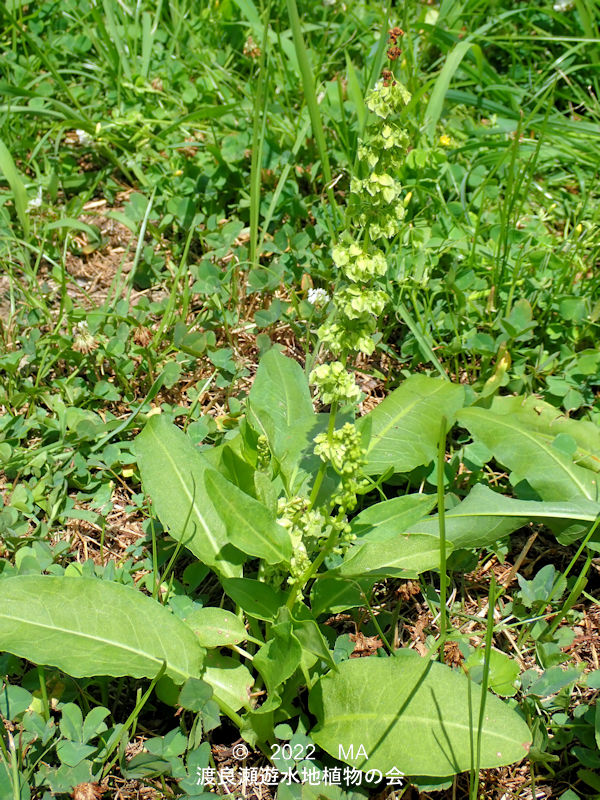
44 693
322 469
580 585
304 579
442 529
489 633
258 138
131 719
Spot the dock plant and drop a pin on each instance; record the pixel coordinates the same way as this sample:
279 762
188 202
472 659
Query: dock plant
304 508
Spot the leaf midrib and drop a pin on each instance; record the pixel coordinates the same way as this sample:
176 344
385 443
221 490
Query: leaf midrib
100 640
405 719
224 566
414 556
375 440
268 545
525 515
585 453
541 444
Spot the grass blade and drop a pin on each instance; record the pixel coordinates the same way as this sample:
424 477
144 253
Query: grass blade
258 139
442 84
308 85
17 187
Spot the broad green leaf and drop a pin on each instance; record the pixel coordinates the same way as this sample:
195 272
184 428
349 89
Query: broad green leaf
549 422
172 471
485 516
553 680
146 765
250 526
94 723
308 633
279 407
592 679
71 722
231 681
279 398
256 598
196 761
73 753
389 704
194 694
386 519
402 555
406 425
544 586
215 627
530 456
280 657
14 700
86 627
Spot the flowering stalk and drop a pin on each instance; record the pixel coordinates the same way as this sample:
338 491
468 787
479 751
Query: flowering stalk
374 212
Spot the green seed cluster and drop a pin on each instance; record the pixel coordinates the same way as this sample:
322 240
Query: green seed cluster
334 383
375 211
344 451
263 453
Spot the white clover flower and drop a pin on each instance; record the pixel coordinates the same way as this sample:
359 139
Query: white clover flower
83 341
318 297
83 138
36 201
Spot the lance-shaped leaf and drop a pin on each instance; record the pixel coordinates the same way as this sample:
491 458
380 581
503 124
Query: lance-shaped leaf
338 594
530 456
172 471
413 714
386 519
279 407
256 598
86 627
279 399
485 516
550 422
406 425
402 555
249 525
280 657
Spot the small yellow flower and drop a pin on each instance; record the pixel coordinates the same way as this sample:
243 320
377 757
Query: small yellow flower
445 140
